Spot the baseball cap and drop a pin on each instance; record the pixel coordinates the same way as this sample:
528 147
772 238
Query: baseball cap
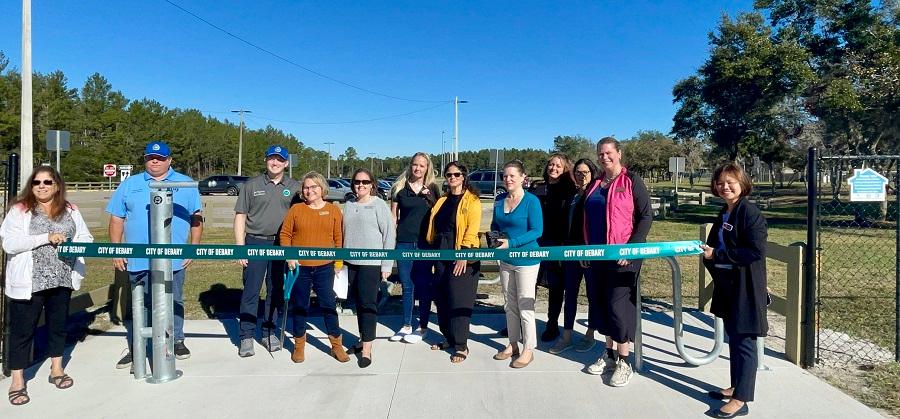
277 150
157 148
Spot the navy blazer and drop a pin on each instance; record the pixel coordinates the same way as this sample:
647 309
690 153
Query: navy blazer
739 294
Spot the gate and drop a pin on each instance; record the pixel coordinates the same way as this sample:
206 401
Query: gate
854 274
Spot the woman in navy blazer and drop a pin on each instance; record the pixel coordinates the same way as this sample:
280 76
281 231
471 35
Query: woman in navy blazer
735 254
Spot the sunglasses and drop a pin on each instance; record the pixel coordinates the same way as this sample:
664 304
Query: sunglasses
47 182
362 182
454 174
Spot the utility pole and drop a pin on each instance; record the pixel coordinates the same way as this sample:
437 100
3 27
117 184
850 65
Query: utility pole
26 141
241 139
456 102
443 153
372 162
328 175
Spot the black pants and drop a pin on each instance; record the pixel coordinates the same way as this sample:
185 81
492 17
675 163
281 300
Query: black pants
616 296
455 300
258 271
743 360
365 281
552 271
24 316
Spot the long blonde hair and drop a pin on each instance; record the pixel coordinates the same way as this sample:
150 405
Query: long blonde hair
427 181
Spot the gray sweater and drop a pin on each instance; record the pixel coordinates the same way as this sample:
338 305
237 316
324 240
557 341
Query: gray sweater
369 226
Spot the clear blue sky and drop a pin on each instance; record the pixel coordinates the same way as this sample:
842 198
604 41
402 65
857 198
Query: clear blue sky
530 70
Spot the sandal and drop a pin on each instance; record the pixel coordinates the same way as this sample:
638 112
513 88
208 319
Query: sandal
459 356
20 395
440 346
61 382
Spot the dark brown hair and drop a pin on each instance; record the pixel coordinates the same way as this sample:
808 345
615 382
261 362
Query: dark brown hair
610 140
369 174
57 205
734 170
465 177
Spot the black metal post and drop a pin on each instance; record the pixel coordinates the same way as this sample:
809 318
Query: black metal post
808 324
897 263
12 189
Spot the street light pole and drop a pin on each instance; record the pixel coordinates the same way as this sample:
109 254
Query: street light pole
241 139
456 103
26 139
329 144
372 162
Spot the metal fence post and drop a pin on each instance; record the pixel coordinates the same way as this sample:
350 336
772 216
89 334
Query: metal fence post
12 189
897 263
809 288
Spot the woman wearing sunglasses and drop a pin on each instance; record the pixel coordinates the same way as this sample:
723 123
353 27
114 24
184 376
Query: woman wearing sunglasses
453 224
39 281
368 224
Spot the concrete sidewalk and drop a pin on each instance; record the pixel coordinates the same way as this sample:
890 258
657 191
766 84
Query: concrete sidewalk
411 381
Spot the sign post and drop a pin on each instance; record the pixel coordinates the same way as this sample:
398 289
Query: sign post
57 141
676 167
109 170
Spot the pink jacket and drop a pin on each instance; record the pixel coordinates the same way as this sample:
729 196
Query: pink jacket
619 209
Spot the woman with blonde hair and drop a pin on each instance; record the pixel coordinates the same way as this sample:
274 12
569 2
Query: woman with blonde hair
413 195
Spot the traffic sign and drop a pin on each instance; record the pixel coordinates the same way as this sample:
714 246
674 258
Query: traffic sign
109 170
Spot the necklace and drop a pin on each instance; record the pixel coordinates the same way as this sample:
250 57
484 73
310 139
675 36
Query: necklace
609 179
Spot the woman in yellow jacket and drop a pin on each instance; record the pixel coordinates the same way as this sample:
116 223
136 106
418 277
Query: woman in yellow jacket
453 224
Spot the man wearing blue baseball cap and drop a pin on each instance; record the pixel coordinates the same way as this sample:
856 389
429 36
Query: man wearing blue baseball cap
260 209
129 222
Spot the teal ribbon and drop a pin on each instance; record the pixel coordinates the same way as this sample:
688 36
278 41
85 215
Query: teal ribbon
211 251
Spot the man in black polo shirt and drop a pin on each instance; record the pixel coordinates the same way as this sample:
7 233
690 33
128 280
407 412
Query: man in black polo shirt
258 214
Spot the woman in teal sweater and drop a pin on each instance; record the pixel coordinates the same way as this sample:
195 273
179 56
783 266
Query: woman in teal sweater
517 217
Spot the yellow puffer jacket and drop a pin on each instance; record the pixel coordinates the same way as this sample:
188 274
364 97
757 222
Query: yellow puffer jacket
468 221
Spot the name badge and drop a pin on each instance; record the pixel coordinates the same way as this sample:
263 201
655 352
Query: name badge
727 226
620 190
323 213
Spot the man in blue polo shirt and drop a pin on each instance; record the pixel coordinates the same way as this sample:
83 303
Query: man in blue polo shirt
129 222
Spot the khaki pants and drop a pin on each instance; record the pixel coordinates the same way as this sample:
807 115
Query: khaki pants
519 284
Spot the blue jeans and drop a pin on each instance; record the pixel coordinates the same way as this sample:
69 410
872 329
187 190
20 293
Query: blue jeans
178 297
258 271
407 272
320 278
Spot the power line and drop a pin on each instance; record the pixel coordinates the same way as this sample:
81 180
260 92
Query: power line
350 122
295 64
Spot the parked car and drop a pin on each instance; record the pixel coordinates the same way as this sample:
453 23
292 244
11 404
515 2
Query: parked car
384 189
484 181
230 185
339 190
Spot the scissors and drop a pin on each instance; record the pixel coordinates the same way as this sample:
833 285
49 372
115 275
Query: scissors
290 276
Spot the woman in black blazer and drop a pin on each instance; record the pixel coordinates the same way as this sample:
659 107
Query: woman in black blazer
735 254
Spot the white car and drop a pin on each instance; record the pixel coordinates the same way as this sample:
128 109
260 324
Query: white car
339 190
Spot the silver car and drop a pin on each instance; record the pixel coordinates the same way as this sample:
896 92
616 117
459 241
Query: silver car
339 190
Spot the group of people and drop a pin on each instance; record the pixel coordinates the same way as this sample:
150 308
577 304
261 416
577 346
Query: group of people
584 203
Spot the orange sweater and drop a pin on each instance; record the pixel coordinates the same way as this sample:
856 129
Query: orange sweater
307 227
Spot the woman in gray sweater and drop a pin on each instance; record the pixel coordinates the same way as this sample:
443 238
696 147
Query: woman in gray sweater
367 225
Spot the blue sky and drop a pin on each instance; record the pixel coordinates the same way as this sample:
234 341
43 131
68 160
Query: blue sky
530 70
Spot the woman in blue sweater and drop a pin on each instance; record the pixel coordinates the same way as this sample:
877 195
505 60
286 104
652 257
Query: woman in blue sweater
517 215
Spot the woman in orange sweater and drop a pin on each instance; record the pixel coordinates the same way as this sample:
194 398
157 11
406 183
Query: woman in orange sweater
314 223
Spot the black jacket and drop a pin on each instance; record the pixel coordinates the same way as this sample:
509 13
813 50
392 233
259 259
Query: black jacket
739 295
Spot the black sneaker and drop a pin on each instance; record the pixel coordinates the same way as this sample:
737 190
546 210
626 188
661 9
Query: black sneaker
550 333
125 362
181 351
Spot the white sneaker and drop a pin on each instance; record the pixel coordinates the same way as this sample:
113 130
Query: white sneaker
603 366
622 374
416 336
405 330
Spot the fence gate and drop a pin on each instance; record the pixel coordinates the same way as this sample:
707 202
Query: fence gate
853 211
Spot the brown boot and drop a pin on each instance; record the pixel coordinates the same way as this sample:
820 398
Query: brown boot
337 349
299 345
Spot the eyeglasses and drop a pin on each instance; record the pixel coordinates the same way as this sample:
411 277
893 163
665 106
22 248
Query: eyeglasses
309 188
454 174
47 182
585 174
362 182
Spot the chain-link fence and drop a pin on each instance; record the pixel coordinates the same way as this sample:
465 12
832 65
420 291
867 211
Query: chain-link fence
857 270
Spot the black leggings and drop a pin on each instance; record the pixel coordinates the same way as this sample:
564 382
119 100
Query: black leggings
455 301
366 280
556 287
24 315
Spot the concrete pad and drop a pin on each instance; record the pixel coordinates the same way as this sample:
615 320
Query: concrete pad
412 381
